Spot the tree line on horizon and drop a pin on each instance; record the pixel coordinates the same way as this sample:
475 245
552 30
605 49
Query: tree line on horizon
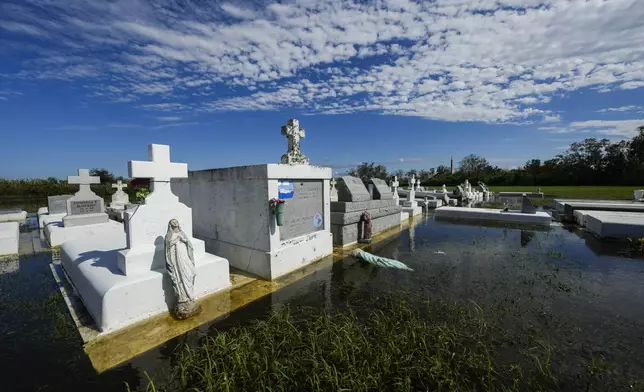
588 162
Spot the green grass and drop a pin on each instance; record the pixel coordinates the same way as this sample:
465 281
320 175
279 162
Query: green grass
576 192
429 347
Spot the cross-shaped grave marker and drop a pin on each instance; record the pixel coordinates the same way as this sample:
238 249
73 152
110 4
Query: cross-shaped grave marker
160 170
83 179
119 186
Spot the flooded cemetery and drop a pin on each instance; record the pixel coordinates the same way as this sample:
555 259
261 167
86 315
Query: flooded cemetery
286 277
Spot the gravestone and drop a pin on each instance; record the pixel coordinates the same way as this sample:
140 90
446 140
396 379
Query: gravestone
57 204
333 196
85 207
394 186
381 190
352 189
146 225
304 212
526 205
119 198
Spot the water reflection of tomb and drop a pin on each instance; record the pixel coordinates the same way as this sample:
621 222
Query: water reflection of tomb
616 248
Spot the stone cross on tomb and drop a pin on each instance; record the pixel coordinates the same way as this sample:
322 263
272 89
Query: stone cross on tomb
119 186
83 179
394 186
293 134
411 196
333 183
159 170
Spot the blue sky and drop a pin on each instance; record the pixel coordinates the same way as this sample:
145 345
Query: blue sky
402 83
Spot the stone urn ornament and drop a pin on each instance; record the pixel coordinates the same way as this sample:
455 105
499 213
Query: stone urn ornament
276 207
180 265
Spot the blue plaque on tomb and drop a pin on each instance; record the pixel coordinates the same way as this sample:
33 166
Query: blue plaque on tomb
285 189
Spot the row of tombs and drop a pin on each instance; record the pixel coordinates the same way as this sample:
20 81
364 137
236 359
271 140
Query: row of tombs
179 244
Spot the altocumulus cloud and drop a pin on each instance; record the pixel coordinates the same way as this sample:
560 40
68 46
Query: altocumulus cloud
452 60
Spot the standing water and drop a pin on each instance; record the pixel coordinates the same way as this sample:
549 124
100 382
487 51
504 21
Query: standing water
555 301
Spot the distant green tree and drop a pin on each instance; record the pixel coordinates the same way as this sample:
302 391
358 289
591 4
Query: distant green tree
473 165
104 174
533 167
366 171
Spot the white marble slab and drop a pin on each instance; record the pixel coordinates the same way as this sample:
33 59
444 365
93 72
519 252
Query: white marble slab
116 300
486 214
9 238
614 224
13 216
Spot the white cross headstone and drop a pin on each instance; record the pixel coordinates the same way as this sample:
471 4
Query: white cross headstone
119 198
160 170
411 196
119 186
83 179
394 187
146 225
333 195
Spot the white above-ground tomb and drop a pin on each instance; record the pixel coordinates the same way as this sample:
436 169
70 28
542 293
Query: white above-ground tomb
121 278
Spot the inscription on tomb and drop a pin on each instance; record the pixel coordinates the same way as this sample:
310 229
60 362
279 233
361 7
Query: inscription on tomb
82 207
57 204
304 212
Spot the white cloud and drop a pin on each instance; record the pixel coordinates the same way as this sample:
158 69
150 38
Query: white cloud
169 118
620 128
3 98
453 60
629 108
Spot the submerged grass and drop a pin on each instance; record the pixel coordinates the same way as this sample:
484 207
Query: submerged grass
394 347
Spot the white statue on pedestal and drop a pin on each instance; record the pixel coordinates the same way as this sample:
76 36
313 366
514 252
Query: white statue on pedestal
180 264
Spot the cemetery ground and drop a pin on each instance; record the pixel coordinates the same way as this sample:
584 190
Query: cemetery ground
486 308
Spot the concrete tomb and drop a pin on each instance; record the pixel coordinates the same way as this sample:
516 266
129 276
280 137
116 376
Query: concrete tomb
85 216
55 211
231 214
486 214
615 224
122 277
9 238
567 207
347 212
12 215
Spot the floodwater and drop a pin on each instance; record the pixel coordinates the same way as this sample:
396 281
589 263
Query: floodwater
557 286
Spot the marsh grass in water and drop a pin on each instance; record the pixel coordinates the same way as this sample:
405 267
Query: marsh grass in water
397 346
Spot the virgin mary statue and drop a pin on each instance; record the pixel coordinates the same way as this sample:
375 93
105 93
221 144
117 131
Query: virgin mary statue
180 264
